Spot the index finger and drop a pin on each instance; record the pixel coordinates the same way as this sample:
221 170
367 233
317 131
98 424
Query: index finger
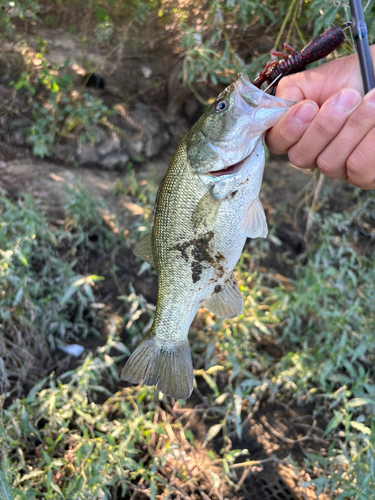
322 82
291 127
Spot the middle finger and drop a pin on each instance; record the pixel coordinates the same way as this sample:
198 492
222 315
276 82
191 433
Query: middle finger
324 128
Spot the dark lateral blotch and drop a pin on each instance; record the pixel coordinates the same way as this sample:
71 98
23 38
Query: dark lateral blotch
197 269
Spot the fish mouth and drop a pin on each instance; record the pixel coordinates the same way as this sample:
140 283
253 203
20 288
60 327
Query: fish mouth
232 169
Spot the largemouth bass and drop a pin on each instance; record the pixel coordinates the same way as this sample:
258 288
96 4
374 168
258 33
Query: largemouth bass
206 207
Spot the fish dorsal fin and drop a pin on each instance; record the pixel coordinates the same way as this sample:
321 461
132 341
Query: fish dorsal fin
205 212
226 301
255 221
143 250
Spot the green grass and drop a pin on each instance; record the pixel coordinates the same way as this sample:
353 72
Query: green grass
80 435
44 300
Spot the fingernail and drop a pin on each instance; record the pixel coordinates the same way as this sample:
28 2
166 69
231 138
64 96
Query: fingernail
306 113
347 99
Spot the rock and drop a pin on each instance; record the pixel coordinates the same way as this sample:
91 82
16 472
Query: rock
155 135
123 160
114 160
136 146
109 146
100 134
89 154
142 132
68 153
147 72
18 137
192 109
20 123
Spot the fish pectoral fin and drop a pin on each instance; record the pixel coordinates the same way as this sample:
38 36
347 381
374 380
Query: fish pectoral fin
170 368
205 212
226 302
255 221
143 250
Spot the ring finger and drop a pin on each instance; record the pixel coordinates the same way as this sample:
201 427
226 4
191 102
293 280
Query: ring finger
332 161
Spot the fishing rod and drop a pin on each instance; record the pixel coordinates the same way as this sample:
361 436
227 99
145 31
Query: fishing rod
361 39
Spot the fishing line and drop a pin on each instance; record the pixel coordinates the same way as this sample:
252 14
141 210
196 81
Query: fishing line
352 42
349 27
275 80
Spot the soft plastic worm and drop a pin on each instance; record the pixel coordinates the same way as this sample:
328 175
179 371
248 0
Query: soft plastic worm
320 47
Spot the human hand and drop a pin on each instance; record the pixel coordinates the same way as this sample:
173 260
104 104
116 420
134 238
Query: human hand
331 127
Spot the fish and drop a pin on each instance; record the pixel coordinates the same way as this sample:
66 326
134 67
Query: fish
206 207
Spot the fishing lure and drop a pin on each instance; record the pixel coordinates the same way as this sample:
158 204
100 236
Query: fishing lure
320 47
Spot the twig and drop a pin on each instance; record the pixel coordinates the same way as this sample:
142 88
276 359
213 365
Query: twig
252 463
136 489
243 477
286 19
173 483
196 93
312 427
262 390
300 204
313 206
288 440
171 411
8 103
204 495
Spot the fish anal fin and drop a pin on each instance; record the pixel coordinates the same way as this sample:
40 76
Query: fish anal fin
169 369
226 301
255 223
143 250
205 212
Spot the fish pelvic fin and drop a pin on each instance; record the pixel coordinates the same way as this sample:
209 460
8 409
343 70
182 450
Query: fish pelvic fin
226 300
255 221
205 212
169 368
143 250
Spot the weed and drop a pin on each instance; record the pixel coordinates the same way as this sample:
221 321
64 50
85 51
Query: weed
42 299
58 110
79 448
22 10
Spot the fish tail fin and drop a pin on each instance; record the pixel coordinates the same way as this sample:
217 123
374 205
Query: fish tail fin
169 369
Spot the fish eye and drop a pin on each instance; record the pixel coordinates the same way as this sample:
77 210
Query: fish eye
221 105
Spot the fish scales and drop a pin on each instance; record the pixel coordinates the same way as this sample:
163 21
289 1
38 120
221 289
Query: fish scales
206 207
